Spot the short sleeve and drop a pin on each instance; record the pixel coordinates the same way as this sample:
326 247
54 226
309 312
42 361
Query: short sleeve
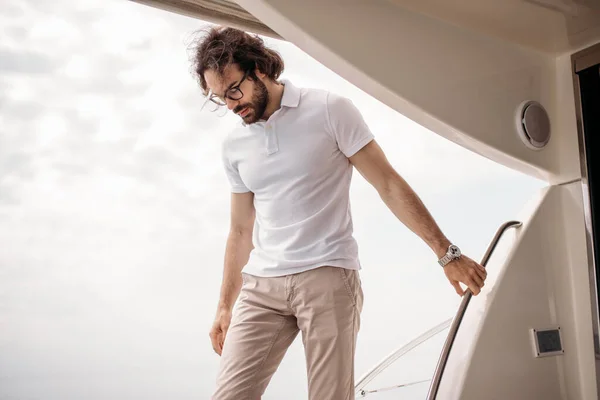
347 125
233 175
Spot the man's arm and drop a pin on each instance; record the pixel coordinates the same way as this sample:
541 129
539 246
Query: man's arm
237 252
397 194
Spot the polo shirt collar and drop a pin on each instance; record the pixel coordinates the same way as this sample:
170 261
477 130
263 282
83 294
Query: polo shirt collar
291 94
290 98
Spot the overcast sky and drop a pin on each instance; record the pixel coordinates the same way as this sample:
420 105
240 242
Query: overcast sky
114 211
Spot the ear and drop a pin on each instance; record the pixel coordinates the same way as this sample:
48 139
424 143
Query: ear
259 74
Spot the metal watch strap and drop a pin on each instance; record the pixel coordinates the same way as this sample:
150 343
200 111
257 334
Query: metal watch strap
452 253
445 260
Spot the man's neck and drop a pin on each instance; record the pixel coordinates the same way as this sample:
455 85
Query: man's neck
275 90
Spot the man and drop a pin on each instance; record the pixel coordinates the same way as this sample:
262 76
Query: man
290 256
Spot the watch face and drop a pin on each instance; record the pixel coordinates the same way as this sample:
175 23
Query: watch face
455 251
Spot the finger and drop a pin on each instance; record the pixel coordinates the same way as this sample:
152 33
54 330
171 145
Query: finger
214 342
478 280
216 338
225 328
481 268
481 275
220 343
472 285
457 287
481 271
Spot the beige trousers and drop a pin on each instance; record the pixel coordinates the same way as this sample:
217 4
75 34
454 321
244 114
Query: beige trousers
324 304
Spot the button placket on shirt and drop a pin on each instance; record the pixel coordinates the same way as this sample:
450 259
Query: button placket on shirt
271 138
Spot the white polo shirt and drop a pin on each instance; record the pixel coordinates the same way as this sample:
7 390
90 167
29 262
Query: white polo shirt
297 166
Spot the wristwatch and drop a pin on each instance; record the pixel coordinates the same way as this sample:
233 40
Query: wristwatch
452 254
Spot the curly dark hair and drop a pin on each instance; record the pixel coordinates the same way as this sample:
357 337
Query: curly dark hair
217 47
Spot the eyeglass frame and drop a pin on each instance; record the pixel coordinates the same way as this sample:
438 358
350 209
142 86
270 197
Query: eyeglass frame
222 101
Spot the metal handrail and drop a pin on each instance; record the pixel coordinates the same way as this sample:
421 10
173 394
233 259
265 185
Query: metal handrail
365 393
396 354
441 366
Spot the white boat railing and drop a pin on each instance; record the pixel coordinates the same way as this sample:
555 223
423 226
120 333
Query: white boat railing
441 366
359 388
453 323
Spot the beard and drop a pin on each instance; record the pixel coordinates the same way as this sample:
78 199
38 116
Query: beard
258 105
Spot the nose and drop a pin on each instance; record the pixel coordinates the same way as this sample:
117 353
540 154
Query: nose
231 104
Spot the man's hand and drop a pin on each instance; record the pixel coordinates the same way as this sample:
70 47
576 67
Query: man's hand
467 271
219 330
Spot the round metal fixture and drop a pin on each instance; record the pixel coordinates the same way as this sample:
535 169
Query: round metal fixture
533 124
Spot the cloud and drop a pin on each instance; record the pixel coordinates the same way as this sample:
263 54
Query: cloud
15 169
24 62
18 165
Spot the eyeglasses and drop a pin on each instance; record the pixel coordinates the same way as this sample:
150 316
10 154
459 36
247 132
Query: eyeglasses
214 102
